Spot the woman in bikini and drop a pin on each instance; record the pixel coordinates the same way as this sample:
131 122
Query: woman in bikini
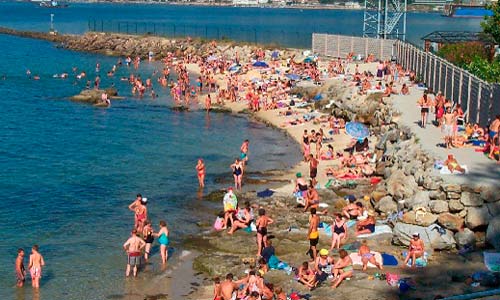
237 173
261 225
339 231
200 168
306 145
323 265
163 239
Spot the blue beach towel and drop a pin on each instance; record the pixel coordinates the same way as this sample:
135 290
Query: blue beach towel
389 260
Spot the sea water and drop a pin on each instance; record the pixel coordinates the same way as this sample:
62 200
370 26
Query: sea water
288 27
69 170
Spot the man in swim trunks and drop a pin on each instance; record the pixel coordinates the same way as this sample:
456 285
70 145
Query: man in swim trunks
244 151
367 256
35 266
261 225
313 168
133 246
449 120
313 234
229 287
20 271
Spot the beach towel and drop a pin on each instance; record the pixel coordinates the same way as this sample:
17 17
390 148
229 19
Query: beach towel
446 171
379 229
492 261
265 193
356 259
389 260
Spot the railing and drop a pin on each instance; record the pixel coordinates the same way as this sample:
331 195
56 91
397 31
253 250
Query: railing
287 38
480 99
342 45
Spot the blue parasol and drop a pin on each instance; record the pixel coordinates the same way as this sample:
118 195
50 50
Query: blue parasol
357 130
275 54
292 77
261 64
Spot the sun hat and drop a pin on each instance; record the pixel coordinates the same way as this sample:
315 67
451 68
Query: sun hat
323 252
416 234
144 200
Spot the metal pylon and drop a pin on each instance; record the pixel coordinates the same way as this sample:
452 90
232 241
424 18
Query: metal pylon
385 19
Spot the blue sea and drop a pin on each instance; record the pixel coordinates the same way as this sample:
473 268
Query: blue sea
70 170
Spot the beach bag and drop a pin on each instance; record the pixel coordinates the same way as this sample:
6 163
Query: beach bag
392 279
218 224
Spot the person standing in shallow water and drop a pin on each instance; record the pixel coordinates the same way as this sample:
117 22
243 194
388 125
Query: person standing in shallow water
237 173
200 168
35 266
244 151
133 246
164 241
20 271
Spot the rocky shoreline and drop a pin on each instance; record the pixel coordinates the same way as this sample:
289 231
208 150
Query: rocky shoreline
469 214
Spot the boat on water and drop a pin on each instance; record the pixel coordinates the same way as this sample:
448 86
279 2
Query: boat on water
466 11
52 4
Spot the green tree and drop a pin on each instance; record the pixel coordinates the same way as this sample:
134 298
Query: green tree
491 24
489 71
462 54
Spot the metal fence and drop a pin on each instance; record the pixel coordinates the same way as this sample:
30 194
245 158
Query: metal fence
478 98
342 45
261 35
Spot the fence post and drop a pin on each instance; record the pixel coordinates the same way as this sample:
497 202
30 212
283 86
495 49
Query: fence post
453 84
479 102
446 83
468 97
435 72
461 82
440 76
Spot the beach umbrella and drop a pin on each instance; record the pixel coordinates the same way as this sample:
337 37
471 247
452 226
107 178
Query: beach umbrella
318 97
261 64
275 54
292 76
357 130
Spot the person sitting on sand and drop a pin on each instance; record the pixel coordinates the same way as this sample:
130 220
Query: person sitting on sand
242 219
342 268
348 160
404 90
228 287
329 154
415 249
452 164
367 256
367 225
323 265
312 197
306 275
350 211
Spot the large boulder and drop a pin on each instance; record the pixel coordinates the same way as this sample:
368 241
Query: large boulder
421 219
493 233
471 199
451 221
420 199
494 208
477 217
438 206
401 186
451 187
455 205
490 193
431 237
465 238
386 205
